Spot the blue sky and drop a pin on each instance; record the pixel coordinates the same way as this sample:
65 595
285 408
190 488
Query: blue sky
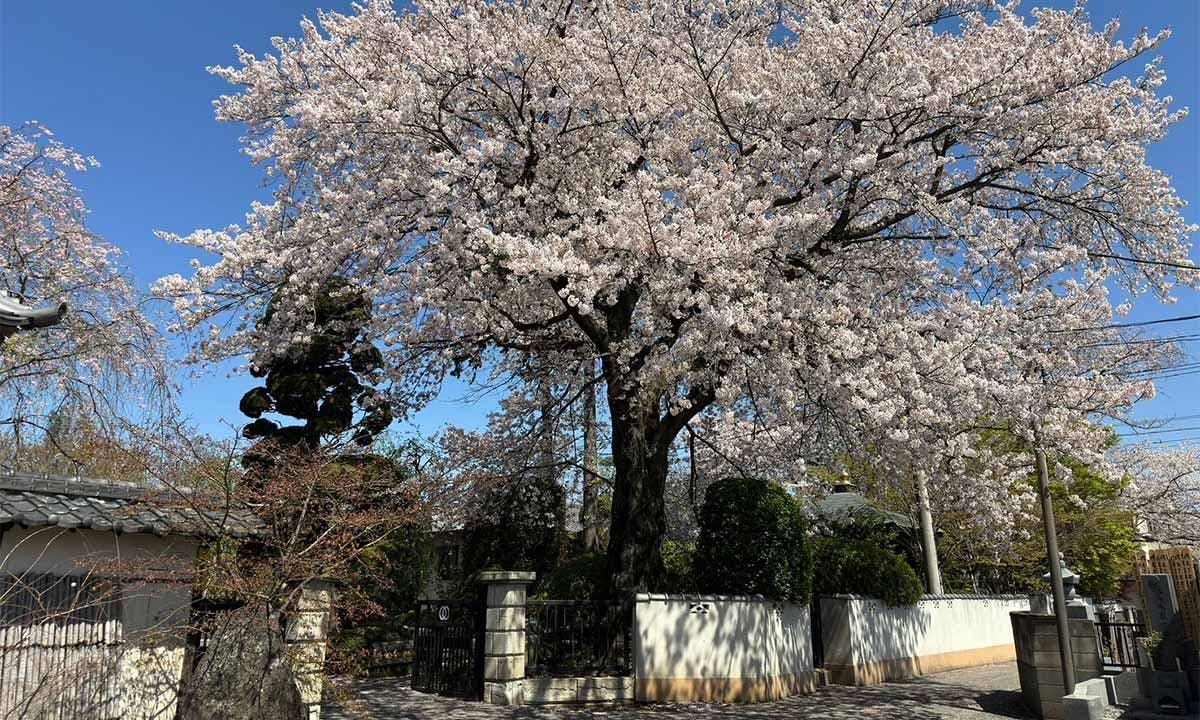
125 81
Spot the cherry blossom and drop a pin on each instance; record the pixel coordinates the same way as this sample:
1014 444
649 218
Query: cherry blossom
104 360
899 215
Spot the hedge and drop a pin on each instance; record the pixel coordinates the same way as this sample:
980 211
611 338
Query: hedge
753 541
858 567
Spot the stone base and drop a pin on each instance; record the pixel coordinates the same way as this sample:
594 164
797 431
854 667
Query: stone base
725 690
511 692
579 690
901 668
1122 686
1082 707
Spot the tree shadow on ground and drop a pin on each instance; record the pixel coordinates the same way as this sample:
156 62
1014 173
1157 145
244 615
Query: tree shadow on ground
977 695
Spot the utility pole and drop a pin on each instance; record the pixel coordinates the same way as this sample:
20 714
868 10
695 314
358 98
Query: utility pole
928 540
1056 576
16 315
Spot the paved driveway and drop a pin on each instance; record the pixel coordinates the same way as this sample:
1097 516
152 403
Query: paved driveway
981 693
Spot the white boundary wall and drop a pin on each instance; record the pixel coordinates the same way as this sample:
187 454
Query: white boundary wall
129 667
720 649
866 641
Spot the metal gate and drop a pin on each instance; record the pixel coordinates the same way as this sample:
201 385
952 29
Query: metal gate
1118 643
448 648
818 635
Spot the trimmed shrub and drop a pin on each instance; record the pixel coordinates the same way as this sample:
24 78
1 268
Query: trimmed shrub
753 541
858 567
677 561
579 578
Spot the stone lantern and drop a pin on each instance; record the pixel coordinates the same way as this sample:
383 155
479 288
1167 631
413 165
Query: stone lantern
1077 607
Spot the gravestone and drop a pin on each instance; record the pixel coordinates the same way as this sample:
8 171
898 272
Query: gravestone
1174 659
1162 607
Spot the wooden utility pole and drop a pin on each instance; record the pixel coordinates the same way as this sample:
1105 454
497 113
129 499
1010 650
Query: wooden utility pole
1056 577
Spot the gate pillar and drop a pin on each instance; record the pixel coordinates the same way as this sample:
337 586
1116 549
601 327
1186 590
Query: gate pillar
504 637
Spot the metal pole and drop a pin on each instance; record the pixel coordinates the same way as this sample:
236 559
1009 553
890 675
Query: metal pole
1056 578
928 541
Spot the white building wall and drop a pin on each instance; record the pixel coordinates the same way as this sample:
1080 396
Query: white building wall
717 648
136 663
867 641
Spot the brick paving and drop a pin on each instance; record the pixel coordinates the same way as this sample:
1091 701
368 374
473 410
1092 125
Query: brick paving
981 693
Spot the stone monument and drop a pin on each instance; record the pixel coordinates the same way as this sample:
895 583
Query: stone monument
1171 654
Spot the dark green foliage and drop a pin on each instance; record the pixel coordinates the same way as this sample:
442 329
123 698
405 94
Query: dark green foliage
519 527
579 578
324 381
677 560
860 567
752 542
875 530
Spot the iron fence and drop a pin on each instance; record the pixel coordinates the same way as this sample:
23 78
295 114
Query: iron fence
567 638
1118 643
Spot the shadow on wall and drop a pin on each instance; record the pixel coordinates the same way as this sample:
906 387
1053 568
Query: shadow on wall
721 649
866 641
858 632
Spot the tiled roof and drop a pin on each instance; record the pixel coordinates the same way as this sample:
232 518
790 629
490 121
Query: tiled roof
42 500
839 505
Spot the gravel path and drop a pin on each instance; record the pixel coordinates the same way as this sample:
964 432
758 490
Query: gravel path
980 693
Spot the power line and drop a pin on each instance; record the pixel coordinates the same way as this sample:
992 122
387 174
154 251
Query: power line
1144 323
1149 422
1146 341
1160 432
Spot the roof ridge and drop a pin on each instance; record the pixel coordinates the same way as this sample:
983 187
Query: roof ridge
75 485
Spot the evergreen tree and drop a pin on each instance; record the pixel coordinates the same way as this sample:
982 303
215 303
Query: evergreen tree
326 380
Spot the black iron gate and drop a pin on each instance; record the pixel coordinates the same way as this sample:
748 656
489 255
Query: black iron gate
448 648
1118 643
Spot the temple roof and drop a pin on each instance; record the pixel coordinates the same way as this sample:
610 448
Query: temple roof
846 504
66 502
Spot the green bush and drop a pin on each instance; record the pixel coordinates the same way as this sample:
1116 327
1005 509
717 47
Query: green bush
753 541
677 561
858 567
579 578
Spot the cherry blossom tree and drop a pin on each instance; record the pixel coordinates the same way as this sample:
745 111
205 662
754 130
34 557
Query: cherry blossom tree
104 361
901 214
1164 492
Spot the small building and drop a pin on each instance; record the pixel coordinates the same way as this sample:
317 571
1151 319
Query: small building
96 594
845 504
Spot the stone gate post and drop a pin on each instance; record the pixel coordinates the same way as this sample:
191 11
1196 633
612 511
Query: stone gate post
504 636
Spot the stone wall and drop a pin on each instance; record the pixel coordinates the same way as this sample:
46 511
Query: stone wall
1039 662
578 690
706 648
867 642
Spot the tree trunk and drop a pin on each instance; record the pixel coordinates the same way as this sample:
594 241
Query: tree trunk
590 512
639 452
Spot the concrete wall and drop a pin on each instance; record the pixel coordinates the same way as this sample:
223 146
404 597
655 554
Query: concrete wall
578 690
1039 662
131 666
866 641
720 649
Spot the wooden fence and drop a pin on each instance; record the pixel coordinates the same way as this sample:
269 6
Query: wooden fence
61 639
